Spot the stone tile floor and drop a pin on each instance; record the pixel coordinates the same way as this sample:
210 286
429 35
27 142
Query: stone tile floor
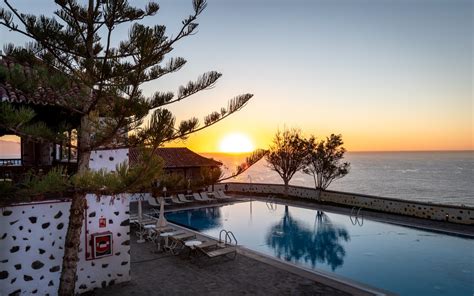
165 274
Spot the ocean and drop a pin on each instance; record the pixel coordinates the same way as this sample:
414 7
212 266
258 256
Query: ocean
439 177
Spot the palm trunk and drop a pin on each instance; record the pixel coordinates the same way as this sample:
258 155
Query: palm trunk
67 281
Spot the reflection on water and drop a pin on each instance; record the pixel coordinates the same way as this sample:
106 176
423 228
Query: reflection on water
293 241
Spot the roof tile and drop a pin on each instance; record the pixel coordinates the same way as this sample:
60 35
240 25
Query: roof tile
180 157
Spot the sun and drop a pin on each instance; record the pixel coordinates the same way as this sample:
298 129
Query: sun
236 143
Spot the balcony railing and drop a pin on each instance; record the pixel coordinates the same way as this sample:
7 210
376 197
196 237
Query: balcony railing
10 161
16 172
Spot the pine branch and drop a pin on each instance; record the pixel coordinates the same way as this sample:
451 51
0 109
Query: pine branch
252 159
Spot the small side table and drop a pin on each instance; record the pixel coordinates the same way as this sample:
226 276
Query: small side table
191 244
166 235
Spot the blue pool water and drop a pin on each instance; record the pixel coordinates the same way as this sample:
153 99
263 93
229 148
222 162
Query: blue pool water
403 260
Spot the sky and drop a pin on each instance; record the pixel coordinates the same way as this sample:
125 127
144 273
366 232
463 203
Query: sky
388 75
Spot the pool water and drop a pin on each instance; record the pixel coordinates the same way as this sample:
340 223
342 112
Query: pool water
403 260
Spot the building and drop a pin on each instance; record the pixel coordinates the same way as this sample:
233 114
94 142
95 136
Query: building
181 161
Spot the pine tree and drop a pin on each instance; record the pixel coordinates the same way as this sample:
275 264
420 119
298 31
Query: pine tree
73 65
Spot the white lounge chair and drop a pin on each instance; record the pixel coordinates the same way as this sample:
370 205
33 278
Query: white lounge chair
154 202
183 198
175 200
197 197
206 197
221 195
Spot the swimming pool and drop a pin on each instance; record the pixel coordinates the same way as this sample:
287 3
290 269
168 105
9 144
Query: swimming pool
403 260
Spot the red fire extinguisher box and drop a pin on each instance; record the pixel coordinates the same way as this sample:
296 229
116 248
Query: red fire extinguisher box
102 244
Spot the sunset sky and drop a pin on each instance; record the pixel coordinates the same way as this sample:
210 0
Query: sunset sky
387 75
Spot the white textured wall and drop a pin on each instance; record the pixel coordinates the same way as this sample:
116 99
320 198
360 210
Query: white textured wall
110 270
107 159
32 241
31 247
461 215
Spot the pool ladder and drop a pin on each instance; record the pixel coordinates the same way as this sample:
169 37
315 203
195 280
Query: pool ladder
271 204
229 237
356 216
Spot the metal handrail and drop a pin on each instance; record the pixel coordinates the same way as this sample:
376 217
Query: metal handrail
355 218
229 233
220 235
228 237
271 204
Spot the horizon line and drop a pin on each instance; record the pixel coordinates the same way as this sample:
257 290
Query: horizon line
356 151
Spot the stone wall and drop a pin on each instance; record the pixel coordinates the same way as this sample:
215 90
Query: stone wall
455 214
32 246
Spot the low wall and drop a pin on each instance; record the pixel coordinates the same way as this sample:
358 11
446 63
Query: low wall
455 214
32 246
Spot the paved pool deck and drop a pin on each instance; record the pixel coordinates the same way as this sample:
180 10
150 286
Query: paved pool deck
165 274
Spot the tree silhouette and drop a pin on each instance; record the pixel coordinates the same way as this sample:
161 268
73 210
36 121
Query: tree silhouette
326 244
293 241
324 161
287 154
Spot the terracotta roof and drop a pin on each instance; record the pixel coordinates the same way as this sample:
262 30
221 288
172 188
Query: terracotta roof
38 96
177 158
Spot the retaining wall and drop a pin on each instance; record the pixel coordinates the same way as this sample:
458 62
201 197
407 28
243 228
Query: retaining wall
455 214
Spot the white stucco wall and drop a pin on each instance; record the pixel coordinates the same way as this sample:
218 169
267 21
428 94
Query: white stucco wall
32 246
107 159
110 270
32 240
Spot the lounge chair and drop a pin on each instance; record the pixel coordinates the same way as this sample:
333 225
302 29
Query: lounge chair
207 244
175 200
154 202
206 197
183 198
141 225
155 234
213 250
197 197
178 241
220 195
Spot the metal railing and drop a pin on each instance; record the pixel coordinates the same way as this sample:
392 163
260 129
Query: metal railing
271 204
17 172
229 237
10 161
356 216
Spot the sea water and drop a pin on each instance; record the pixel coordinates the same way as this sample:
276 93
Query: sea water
440 177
